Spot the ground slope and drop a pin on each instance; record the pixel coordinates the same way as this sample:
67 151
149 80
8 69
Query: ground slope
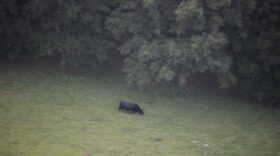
46 113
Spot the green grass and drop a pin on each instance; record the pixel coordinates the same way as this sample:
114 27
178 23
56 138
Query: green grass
45 113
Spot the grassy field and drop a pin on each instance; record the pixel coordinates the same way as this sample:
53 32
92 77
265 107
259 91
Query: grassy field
48 114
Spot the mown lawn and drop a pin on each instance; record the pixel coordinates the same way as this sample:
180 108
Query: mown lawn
50 114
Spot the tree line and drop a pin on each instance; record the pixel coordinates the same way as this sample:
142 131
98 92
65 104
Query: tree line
161 41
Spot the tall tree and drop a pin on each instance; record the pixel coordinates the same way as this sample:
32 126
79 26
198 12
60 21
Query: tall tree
162 41
257 50
71 30
14 30
173 40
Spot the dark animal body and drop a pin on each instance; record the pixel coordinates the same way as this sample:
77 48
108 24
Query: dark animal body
131 107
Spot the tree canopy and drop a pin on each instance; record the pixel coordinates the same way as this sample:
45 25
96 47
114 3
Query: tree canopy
161 41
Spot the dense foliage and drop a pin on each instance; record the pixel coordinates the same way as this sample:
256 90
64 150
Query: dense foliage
162 41
68 29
